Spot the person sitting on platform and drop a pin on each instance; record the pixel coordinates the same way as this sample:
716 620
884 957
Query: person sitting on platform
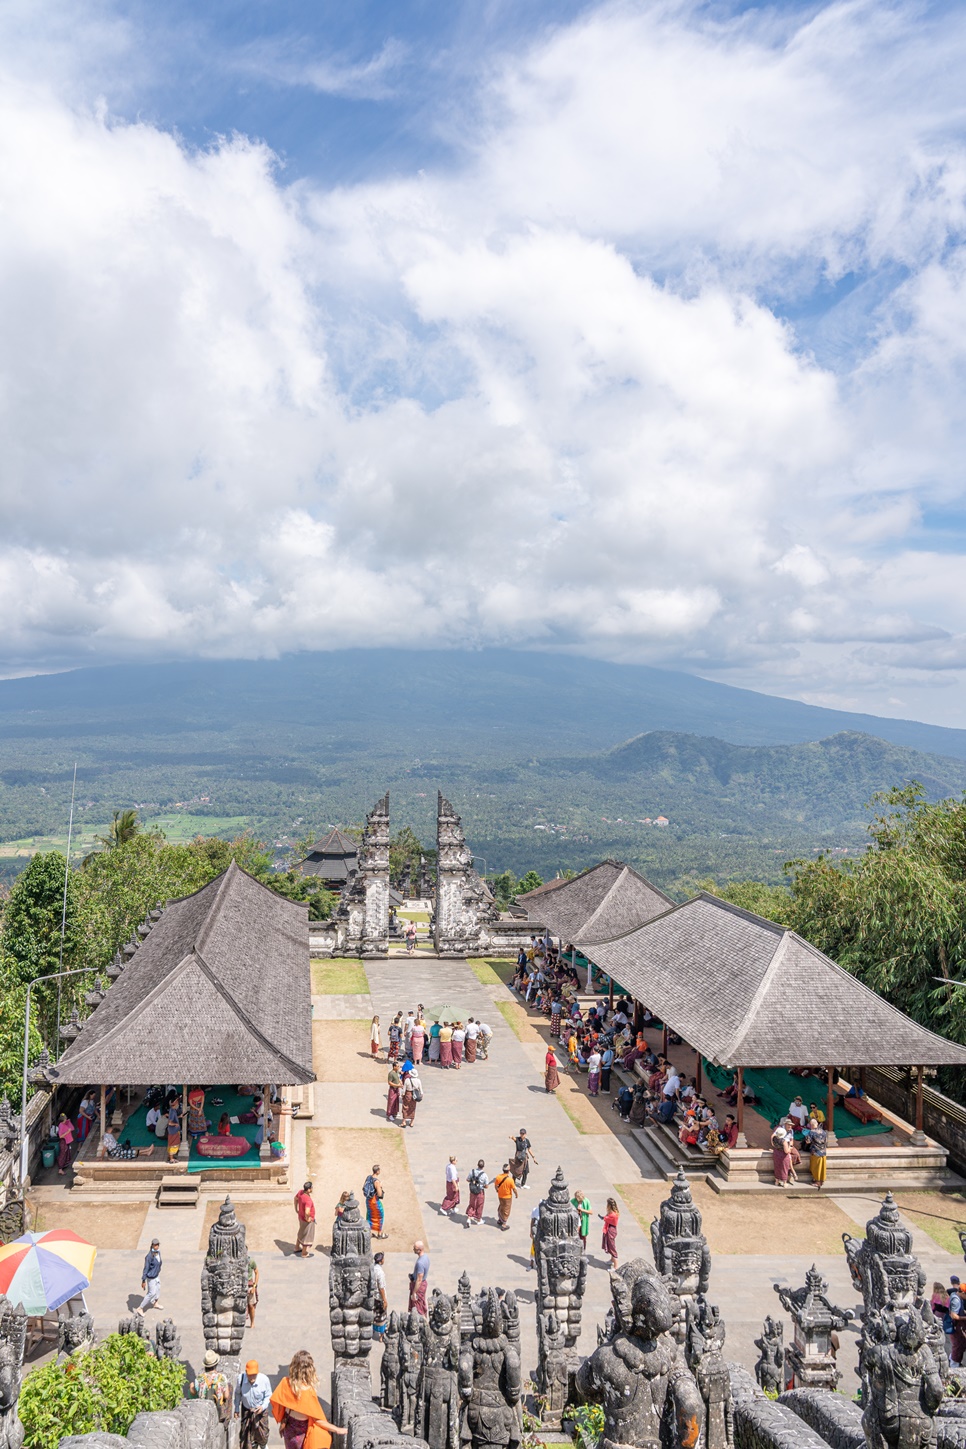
117 1151
224 1125
662 1109
815 1111
798 1113
151 1117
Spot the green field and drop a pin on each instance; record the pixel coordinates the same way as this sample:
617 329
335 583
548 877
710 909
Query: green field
179 827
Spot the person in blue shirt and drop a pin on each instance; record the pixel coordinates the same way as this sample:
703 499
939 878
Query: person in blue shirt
151 1278
606 1062
253 1394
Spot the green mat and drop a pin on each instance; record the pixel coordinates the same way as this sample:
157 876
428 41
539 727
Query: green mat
135 1129
776 1089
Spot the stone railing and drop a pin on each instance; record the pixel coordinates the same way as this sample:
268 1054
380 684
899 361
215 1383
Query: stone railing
194 1424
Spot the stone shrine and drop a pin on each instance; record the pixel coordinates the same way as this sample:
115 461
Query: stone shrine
463 900
810 1357
883 1266
224 1284
561 1279
365 902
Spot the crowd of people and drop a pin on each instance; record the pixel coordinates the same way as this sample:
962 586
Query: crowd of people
414 1041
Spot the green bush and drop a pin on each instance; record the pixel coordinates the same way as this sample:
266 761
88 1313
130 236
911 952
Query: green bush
103 1389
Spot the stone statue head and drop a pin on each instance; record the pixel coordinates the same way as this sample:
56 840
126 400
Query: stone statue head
642 1304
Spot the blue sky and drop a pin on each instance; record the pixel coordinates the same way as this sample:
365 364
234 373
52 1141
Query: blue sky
635 329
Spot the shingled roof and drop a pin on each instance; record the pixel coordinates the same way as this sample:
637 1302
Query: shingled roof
219 991
334 857
601 902
745 992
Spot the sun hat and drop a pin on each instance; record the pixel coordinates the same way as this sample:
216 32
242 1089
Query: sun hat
211 1358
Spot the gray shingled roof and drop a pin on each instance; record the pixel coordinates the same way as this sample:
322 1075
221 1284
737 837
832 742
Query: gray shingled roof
219 991
630 902
565 909
746 992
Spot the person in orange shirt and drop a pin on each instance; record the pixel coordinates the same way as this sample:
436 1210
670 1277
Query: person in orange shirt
298 1413
506 1191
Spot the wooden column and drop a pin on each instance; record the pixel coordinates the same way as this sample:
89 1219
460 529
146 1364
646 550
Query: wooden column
664 1041
265 1149
830 1108
610 992
742 1139
184 1150
103 1112
918 1137
699 1076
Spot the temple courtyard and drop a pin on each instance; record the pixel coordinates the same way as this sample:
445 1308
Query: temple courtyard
755 1241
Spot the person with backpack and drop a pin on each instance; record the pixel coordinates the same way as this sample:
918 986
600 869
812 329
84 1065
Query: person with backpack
412 1092
374 1193
477 1182
954 1321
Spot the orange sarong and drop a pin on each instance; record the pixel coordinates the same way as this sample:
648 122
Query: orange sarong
285 1398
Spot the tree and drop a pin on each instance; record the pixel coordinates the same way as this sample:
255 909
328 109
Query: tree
773 902
103 1389
124 826
504 888
32 918
405 853
528 882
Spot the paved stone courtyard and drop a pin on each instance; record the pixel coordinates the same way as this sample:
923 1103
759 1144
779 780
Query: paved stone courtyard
472 1113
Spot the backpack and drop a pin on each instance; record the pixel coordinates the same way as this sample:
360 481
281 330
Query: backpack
475 1180
369 1187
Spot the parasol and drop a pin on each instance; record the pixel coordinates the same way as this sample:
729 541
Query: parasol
43 1270
447 1013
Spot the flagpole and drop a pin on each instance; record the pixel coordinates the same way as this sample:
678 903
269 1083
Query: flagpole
63 914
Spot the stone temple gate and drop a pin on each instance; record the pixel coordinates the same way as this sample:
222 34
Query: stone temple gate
464 905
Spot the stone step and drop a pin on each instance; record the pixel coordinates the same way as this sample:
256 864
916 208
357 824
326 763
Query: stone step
947 1182
661 1146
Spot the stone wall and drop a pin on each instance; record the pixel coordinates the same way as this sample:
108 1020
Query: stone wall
353 1409
761 1423
834 1417
942 1118
194 1424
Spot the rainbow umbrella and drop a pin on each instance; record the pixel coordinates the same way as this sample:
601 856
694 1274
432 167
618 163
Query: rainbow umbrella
43 1270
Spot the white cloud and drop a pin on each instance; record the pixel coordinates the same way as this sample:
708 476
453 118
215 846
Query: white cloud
536 398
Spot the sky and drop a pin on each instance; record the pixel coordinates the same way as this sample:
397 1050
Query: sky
635 330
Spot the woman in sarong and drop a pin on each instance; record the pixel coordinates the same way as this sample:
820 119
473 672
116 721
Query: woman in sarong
392 1096
446 1045
395 1034
459 1037
434 1031
418 1041
452 1198
781 1157
410 1097
609 1238
555 1012
551 1076
65 1131
375 1212
593 1072
298 1413
375 1038
472 1032
818 1143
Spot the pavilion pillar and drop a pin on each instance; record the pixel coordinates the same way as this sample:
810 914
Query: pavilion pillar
265 1147
918 1137
664 1042
699 1075
740 1079
830 1109
103 1112
610 992
184 1148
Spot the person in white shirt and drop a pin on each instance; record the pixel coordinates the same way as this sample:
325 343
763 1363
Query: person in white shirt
484 1039
799 1114
534 1219
673 1084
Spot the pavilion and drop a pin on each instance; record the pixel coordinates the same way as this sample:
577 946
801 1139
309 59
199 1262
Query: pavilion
748 995
333 859
216 995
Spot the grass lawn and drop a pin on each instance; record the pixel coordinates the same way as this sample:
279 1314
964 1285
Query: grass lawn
937 1213
517 1020
493 972
339 977
417 916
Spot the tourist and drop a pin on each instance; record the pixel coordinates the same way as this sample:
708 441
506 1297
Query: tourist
472 1032
342 1204
729 1135
65 1131
606 1062
174 1128
593 1072
672 1083
534 1223
151 1278
609 1237
459 1037
408 1030
412 1092
798 1113
86 1115
939 1301
417 1042
795 1157
375 1037
955 1321
212 1384
781 1157
434 1031
446 1045
419 1280
251 1293
452 1198
551 1074
224 1125
411 938
253 1395
373 1193
477 1182
305 1210
484 1039
298 1413
556 1008
582 1203
522 1157
382 1312
392 1095
395 1037
506 1191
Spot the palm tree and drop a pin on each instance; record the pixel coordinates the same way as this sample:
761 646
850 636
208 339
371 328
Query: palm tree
124 826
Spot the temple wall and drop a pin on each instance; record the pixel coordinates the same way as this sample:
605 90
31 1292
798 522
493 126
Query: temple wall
194 1424
762 1423
942 1118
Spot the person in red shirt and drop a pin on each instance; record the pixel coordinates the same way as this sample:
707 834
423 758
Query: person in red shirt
305 1208
729 1134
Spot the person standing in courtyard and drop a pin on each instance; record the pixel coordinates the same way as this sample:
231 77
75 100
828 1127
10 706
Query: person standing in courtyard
392 1095
593 1072
609 1237
477 1182
411 1094
606 1062
506 1191
373 1193
472 1033
65 1131
251 1292
253 1394
382 1312
446 1045
818 1147
419 1280
411 938
452 1198
418 1041
375 1037
551 1073
522 1157
305 1211
781 1157
151 1278
213 1384
582 1203
434 1031
298 1413
483 1040
459 1039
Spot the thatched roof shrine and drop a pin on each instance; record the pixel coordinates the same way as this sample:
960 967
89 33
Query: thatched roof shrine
219 991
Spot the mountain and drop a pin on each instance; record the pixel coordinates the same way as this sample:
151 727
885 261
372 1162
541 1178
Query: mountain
524 743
